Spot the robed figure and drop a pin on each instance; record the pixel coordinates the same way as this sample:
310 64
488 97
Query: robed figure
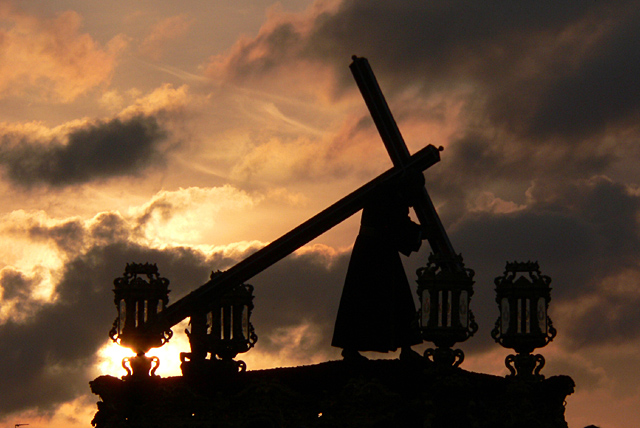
377 311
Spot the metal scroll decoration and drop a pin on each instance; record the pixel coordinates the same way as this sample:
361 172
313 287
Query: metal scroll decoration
523 295
445 317
140 295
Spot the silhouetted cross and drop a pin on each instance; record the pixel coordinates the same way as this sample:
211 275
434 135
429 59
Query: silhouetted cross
330 217
399 154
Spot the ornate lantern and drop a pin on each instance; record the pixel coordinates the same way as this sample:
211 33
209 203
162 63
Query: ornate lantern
138 301
445 317
523 296
224 330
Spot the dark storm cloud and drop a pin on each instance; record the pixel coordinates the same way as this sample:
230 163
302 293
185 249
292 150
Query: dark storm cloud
537 69
477 162
68 236
47 358
96 151
49 349
299 289
573 230
614 319
71 236
583 235
549 89
15 285
601 90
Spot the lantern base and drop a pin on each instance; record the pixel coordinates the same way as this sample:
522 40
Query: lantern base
444 356
207 368
525 365
140 367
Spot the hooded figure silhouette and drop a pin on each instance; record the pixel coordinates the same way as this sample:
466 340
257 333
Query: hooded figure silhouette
377 311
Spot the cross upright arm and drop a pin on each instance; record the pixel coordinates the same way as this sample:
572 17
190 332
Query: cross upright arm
399 154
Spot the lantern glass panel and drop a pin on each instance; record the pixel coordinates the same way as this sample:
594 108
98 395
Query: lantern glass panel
542 315
236 326
463 308
209 323
233 322
122 316
440 308
220 317
506 316
426 308
519 317
245 322
138 313
449 309
226 322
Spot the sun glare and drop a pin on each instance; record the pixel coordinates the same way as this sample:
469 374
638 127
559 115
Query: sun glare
111 355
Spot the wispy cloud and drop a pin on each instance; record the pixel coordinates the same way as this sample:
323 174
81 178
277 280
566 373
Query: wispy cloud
164 32
52 58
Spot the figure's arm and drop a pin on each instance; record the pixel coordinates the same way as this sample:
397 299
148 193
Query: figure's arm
410 239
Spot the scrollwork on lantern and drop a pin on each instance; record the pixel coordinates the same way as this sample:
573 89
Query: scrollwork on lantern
445 317
523 295
229 330
140 294
223 329
140 366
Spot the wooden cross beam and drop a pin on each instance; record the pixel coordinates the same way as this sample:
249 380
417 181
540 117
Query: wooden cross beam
330 217
288 243
399 154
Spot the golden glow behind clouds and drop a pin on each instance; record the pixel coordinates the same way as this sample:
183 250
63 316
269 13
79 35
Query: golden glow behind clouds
55 52
260 126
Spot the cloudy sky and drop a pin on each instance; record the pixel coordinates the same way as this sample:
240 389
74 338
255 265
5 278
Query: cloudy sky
190 133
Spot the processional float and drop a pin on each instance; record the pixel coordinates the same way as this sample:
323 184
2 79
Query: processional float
220 310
